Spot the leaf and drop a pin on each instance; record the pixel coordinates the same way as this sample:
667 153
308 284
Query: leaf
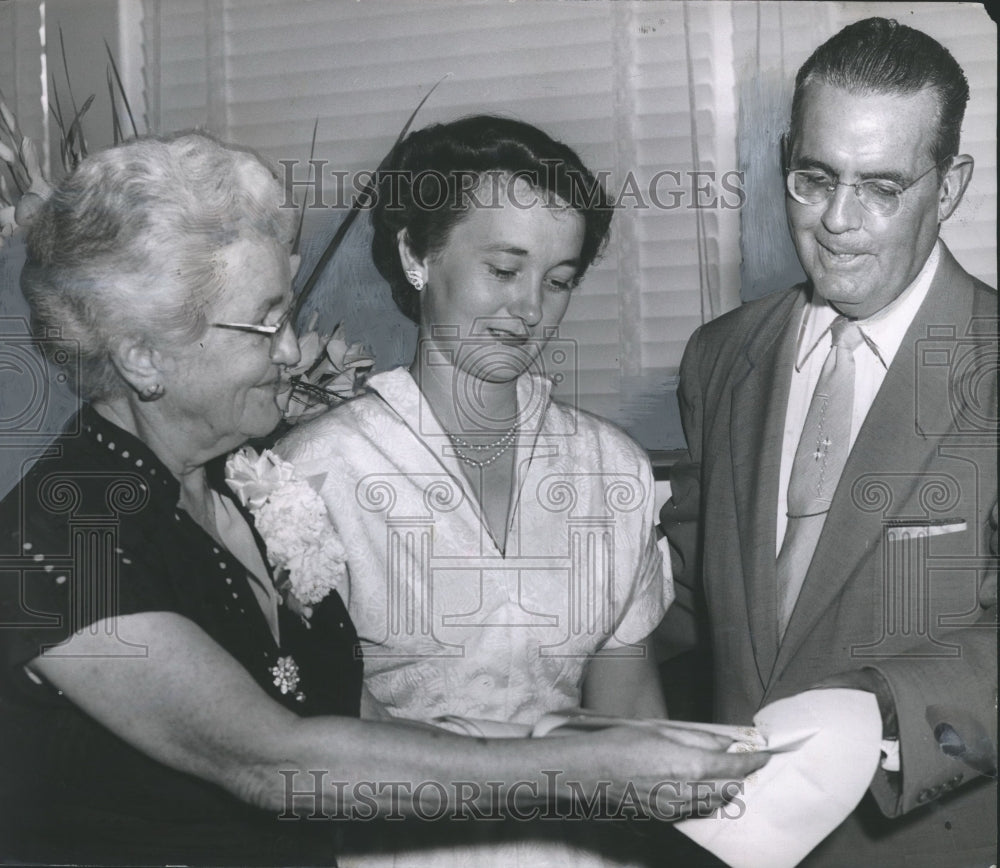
64 155
121 90
302 210
17 173
69 81
352 214
55 108
37 182
357 357
7 116
116 127
10 149
75 139
343 385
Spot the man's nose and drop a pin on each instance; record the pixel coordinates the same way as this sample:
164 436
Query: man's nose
843 211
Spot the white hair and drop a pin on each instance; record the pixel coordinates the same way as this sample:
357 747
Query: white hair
127 247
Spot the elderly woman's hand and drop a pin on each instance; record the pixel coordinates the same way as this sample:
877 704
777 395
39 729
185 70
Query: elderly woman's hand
678 773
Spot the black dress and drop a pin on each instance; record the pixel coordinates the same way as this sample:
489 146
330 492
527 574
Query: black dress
94 530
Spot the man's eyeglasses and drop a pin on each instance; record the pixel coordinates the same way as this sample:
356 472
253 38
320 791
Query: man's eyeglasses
274 332
878 196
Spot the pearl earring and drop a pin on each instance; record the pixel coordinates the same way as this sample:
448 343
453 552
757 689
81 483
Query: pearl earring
416 279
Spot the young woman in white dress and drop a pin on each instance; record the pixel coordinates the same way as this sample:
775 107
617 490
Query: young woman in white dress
501 545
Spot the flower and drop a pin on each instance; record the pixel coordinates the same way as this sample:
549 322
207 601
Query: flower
292 520
21 199
254 477
29 188
330 372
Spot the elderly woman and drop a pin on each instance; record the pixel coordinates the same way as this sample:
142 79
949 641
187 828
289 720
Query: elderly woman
159 703
503 561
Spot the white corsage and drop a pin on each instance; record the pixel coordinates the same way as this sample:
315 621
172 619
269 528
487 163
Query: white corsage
292 519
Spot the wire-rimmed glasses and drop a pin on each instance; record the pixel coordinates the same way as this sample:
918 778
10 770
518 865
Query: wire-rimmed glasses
273 331
879 196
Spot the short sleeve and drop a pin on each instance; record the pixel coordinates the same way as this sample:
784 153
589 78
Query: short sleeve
71 562
646 598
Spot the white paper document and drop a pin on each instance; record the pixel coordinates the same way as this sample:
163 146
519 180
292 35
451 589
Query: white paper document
825 746
801 795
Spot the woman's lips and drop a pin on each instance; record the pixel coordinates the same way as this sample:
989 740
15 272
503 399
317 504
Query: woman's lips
506 336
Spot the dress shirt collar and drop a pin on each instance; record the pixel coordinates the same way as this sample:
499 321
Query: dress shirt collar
883 331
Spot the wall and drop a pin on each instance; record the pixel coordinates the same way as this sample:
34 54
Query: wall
34 400
769 40
86 25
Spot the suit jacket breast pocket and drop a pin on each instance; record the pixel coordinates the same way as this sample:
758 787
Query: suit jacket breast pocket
903 530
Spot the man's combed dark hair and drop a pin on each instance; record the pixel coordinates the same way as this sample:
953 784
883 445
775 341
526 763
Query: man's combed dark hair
879 55
427 184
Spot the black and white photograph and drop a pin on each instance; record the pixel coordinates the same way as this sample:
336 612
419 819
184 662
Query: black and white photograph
498 433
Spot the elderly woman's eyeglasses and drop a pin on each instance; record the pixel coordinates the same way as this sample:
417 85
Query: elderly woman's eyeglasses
879 196
274 332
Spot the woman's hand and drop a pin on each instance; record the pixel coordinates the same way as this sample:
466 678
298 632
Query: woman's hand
671 774
188 704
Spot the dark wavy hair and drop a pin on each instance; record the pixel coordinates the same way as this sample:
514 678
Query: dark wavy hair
427 183
879 55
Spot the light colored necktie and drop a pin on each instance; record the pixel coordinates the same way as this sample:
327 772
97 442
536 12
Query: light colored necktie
819 461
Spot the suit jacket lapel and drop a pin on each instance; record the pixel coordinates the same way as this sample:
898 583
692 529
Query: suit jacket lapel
760 398
902 430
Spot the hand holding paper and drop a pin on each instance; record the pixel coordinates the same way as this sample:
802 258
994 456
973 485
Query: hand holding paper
688 768
800 797
824 749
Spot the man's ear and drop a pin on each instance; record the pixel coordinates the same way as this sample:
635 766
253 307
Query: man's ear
952 188
785 152
409 260
139 365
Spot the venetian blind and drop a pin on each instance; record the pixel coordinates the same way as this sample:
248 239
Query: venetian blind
21 65
615 80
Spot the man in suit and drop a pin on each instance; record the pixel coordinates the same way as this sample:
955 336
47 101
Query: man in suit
843 454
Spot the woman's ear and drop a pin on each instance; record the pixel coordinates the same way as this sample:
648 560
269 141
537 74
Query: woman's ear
141 366
294 261
410 261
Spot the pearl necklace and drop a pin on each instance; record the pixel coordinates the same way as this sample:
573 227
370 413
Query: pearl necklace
502 444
